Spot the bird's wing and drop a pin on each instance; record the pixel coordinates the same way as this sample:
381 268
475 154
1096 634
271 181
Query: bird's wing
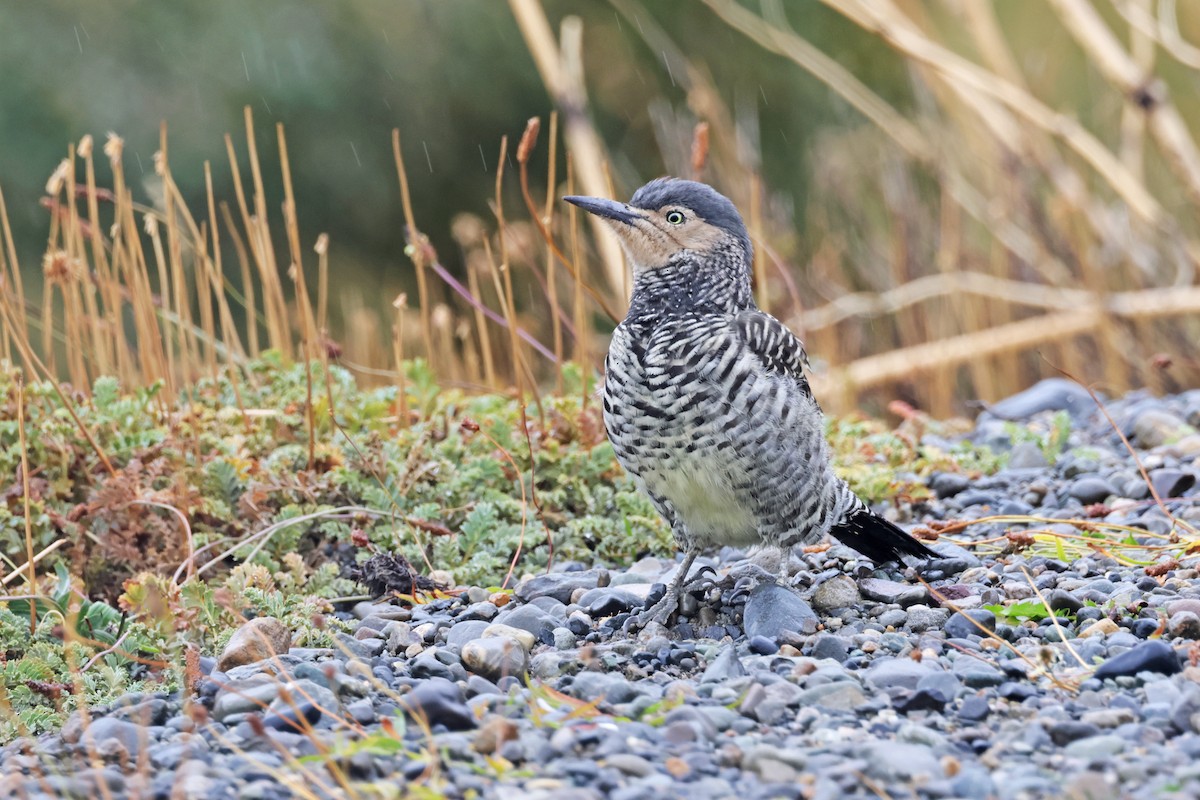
779 350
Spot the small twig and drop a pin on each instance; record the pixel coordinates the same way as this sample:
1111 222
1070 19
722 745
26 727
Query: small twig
16 573
115 648
1062 635
989 634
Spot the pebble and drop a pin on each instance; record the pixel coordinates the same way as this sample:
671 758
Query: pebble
1184 624
259 638
1152 656
724 667
885 591
1169 483
1092 490
839 591
1155 427
495 657
773 610
560 585
439 702
1050 394
967 623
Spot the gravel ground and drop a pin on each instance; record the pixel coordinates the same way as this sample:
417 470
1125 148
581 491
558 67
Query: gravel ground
852 682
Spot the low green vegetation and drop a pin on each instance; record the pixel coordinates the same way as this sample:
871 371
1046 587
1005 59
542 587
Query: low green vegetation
217 507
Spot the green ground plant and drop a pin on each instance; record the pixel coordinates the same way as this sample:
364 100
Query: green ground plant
225 504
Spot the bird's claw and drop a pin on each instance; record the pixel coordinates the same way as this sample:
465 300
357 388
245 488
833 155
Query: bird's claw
661 612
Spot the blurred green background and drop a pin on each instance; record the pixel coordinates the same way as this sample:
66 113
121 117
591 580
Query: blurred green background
995 193
452 76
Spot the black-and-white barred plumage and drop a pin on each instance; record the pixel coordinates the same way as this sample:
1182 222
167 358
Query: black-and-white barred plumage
705 397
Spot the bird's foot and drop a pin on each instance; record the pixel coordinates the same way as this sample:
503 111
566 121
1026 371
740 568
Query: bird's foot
661 612
704 578
750 571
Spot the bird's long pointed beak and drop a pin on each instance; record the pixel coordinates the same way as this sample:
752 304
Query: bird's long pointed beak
608 209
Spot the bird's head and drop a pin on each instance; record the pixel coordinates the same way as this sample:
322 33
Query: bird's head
669 220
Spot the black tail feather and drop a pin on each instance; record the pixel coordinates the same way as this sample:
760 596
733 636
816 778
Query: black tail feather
878 539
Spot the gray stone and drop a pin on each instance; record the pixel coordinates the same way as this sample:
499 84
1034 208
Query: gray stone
895 760
840 591
104 735
1050 394
1171 482
724 667
1186 604
529 618
923 618
772 610
1152 656
1066 731
837 696
564 639
942 682
1185 713
614 688
827 645
240 697
1184 624
962 625
1103 746
439 702
1092 490
1060 600
494 657
1155 426
1027 455
885 673
360 648
606 601
885 591
462 632
560 585
630 764
261 637
948 484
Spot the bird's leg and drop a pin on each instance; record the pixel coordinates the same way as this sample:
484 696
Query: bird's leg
662 611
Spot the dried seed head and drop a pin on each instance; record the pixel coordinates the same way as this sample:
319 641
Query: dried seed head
56 266
441 316
114 146
528 139
85 146
700 147
468 230
58 178
160 163
401 301
322 245
1019 540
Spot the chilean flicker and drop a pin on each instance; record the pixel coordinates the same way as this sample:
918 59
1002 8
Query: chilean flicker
705 397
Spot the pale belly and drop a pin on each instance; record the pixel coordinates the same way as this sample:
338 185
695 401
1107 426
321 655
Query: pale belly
705 500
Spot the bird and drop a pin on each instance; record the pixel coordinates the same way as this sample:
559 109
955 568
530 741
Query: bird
706 400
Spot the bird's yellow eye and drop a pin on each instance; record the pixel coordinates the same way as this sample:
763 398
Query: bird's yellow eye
675 217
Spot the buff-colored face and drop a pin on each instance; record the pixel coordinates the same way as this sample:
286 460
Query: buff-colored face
651 237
